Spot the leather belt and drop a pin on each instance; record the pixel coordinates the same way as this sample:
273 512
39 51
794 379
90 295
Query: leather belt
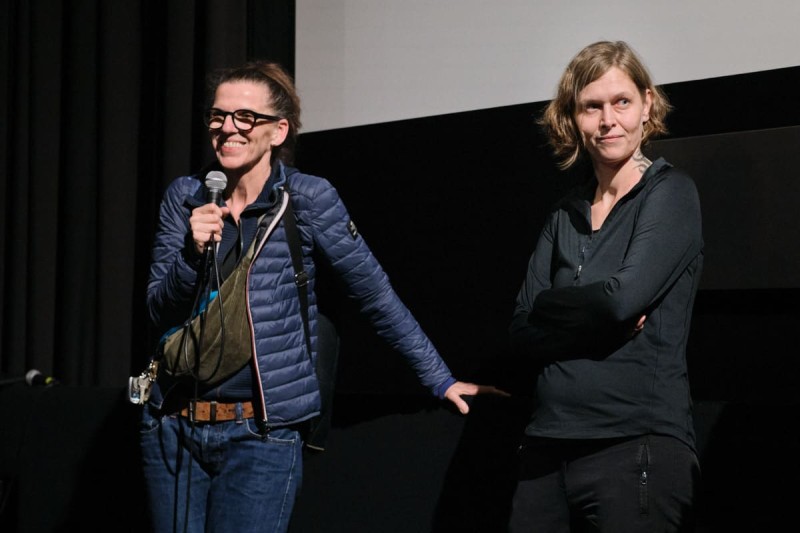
213 411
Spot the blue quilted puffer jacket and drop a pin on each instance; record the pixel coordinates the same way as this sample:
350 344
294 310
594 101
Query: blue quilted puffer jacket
289 392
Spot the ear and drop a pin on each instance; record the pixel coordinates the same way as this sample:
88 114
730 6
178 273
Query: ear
280 132
648 104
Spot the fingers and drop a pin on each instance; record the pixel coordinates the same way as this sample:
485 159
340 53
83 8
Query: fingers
490 389
206 225
639 325
471 389
460 388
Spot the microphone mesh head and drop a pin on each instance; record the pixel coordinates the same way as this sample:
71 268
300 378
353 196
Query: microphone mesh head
216 181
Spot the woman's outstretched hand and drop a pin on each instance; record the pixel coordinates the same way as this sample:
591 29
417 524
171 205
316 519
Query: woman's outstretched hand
459 388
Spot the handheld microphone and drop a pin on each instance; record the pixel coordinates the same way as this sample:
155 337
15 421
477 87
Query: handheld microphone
34 378
216 182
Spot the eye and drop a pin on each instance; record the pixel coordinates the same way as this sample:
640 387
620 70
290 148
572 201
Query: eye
215 117
244 116
624 102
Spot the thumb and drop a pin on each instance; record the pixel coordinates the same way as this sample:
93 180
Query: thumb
460 404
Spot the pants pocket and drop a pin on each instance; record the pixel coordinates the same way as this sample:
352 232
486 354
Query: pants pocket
643 461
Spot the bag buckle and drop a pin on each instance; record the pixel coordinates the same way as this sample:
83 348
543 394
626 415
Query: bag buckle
301 279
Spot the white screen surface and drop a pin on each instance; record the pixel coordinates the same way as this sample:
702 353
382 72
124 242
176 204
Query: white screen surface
371 61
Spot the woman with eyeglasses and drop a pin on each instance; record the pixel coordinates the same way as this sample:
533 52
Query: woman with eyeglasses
227 457
604 313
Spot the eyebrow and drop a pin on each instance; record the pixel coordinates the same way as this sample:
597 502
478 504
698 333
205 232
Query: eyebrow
617 96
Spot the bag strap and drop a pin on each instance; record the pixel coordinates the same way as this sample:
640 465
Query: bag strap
300 275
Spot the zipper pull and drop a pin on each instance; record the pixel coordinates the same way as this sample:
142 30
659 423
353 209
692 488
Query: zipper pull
578 272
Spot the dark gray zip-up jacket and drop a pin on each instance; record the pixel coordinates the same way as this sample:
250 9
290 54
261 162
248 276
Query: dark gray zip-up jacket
288 388
583 293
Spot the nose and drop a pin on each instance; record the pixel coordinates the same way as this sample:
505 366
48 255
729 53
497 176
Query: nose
607 117
228 126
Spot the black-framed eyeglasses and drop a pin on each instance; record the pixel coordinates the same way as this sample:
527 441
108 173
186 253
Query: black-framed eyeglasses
243 119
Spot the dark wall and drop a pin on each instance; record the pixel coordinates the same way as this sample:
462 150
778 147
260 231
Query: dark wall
452 206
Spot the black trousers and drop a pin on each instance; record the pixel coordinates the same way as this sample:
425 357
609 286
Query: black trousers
642 484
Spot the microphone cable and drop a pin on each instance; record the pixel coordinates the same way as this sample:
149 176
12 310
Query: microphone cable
209 273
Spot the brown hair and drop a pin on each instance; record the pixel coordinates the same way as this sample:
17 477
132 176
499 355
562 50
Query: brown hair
558 118
284 99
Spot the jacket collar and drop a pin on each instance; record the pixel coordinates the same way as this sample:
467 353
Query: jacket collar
266 198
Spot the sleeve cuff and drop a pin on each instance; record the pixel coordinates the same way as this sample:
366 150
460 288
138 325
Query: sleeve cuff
442 388
190 255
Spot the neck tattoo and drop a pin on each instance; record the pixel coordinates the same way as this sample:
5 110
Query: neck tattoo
641 161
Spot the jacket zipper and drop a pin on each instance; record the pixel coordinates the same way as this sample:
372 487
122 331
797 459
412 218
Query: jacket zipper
259 247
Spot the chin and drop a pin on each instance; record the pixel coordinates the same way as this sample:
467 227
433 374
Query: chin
228 163
613 157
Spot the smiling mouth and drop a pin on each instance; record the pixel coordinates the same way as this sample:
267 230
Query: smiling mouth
232 144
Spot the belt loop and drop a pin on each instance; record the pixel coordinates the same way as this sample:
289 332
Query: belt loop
192 407
212 411
239 412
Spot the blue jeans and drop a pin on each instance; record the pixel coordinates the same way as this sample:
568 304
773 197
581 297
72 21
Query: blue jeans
631 485
229 476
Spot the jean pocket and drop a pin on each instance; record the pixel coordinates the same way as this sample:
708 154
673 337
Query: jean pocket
279 435
150 421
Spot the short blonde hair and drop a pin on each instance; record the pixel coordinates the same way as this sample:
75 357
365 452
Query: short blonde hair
558 117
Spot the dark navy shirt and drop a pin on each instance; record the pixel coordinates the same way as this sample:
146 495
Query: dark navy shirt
236 239
583 294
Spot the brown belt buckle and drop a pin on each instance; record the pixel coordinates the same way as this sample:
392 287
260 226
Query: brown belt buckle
212 411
